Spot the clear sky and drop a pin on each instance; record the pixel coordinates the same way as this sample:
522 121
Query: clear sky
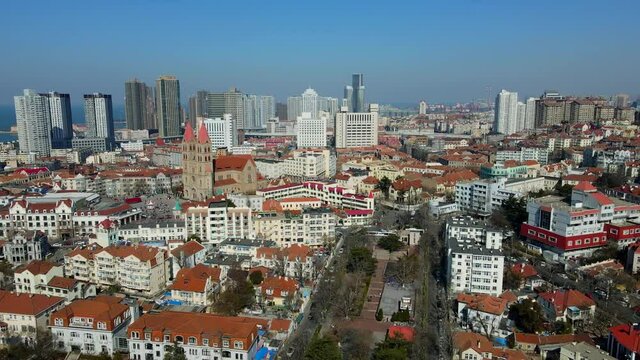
408 50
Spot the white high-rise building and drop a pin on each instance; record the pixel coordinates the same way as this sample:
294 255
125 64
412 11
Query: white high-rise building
34 123
506 116
221 132
98 115
530 114
423 108
356 129
312 132
310 102
521 116
266 110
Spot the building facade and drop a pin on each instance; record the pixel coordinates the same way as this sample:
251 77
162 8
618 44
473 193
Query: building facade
169 114
356 129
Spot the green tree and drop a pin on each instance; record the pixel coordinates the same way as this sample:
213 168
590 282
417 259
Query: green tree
562 327
322 348
194 237
235 298
384 184
515 211
379 315
175 352
401 316
390 243
527 315
392 349
511 280
6 268
256 277
361 259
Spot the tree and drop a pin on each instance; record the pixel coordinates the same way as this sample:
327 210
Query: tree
322 348
355 344
390 243
405 269
175 352
515 211
360 259
562 327
345 302
392 349
384 184
609 180
6 268
194 237
379 315
256 277
511 280
564 190
235 298
527 315
401 316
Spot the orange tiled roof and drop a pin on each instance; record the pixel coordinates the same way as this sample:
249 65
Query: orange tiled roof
232 162
27 304
484 303
36 267
62 282
103 309
278 285
187 249
195 279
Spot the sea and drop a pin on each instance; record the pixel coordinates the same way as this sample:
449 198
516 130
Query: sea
8 119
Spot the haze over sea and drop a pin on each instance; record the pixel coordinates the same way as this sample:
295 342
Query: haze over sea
8 118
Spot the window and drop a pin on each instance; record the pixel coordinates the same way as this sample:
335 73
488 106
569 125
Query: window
542 236
205 342
578 242
167 338
135 335
553 239
531 232
569 243
58 322
88 336
225 343
102 325
192 340
238 345
179 339
74 334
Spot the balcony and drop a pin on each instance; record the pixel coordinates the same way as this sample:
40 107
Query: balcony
575 313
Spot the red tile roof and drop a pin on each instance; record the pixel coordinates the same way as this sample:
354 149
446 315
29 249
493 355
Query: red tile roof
280 325
483 303
627 336
524 270
562 299
602 199
62 282
187 249
203 135
232 162
36 267
27 304
278 285
524 338
195 279
103 309
585 186
188 133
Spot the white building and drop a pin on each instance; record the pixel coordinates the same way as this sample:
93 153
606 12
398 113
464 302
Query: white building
92 326
98 115
24 247
194 286
214 221
200 335
483 196
133 146
138 270
314 227
35 275
356 129
506 113
25 314
530 114
221 132
475 262
422 108
311 131
539 154
329 193
33 122
154 230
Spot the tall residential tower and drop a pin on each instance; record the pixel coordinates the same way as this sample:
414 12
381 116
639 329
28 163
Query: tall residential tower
506 113
98 116
168 106
139 105
34 123
61 123
358 93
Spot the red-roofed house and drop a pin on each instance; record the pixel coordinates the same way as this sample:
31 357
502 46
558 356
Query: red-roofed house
624 341
278 291
240 168
24 314
469 345
91 326
296 261
31 277
187 255
194 286
405 191
567 305
282 328
528 274
483 313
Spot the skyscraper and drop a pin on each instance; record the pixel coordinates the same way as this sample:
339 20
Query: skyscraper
356 129
311 132
347 100
621 101
137 99
221 132
228 102
521 116
168 106
310 102
266 110
530 114
98 116
34 123
281 111
61 123
506 113
198 106
358 93
422 107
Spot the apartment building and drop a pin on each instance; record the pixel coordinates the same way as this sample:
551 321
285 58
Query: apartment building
214 220
51 218
357 129
200 335
93 327
138 270
475 261
312 227
30 278
330 194
152 230
24 246
576 228
295 261
522 154
483 196
194 286
25 314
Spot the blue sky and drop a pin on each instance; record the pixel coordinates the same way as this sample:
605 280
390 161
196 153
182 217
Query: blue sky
408 50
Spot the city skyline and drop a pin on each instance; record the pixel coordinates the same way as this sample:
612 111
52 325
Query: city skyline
409 64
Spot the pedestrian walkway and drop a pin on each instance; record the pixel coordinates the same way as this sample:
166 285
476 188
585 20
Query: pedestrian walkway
375 292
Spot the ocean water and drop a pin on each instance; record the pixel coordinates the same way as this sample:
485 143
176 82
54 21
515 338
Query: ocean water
8 118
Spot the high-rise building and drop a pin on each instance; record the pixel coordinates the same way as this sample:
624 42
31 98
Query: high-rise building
311 132
197 164
521 116
506 113
98 116
422 107
281 111
358 93
33 122
221 132
139 109
347 100
229 102
198 106
621 101
168 106
356 129
310 102
61 123
530 114
266 110
332 107
294 107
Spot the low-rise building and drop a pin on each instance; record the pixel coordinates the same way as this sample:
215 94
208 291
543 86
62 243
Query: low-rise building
201 336
295 261
31 277
24 246
25 314
278 291
624 341
187 255
570 306
196 285
312 227
483 314
93 327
